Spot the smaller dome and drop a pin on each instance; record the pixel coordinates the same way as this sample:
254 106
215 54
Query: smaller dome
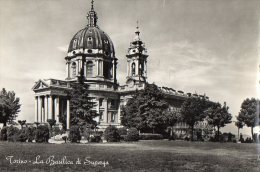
91 38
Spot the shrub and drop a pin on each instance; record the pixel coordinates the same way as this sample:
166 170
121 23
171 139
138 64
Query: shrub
3 134
65 138
111 134
74 134
132 135
31 133
122 131
95 138
23 135
42 134
12 134
150 136
87 133
55 130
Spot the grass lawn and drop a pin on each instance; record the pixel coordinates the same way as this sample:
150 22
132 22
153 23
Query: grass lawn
139 156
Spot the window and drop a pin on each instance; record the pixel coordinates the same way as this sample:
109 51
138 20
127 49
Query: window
107 69
113 103
100 102
141 69
133 69
101 117
73 67
113 117
89 42
89 69
89 39
74 43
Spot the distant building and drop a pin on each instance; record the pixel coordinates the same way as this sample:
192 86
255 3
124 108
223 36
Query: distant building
92 51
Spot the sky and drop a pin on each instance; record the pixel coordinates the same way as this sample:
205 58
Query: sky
202 46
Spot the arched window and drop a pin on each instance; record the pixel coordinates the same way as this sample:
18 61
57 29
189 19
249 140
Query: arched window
73 67
89 69
141 69
107 69
133 69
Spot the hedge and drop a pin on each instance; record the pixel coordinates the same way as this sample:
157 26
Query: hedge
150 136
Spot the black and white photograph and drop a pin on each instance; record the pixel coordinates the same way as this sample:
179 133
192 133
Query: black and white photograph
130 85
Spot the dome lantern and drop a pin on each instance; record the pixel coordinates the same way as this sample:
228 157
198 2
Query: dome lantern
92 16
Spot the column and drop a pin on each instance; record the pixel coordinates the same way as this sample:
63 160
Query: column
45 108
36 108
101 68
113 70
57 106
119 112
77 67
85 69
97 68
145 68
50 105
39 109
105 111
127 68
68 114
68 68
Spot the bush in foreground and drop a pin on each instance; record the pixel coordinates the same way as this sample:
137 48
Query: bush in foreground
42 134
23 135
96 138
132 135
3 134
13 134
150 136
111 134
74 134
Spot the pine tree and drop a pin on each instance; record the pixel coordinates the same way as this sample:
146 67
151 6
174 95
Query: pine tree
81 105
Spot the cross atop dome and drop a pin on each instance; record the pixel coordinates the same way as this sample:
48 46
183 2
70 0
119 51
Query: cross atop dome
137 32
92 16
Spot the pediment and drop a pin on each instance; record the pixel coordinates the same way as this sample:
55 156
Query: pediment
40 85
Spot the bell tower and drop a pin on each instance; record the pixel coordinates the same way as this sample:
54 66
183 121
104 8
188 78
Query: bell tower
136 61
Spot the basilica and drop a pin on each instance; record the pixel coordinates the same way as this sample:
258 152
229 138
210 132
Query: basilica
91 52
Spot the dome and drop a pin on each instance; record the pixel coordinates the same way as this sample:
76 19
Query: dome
91 39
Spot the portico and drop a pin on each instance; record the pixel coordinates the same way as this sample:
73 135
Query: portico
51 101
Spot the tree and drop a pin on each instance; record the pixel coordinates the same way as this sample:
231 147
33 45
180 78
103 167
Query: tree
81 105
218 116
146 109
249 113
172 117
9 106
239 125
52 122
192 111
74 134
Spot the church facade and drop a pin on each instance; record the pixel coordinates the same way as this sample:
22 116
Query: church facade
91 53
